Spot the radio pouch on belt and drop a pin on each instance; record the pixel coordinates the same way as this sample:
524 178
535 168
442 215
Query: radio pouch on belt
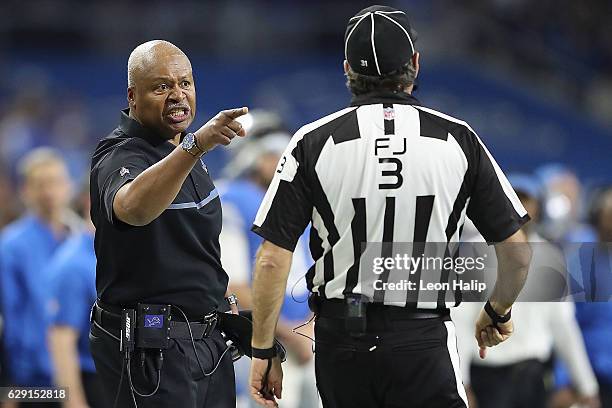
356 320
153 326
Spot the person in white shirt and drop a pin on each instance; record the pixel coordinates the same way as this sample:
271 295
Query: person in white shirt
513 373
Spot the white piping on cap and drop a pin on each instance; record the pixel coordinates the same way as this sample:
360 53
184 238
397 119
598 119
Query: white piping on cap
374 46
389 12
361 15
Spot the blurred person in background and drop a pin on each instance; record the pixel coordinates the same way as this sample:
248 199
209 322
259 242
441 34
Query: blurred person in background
562 205
24 124
593 278
73 274
542 326
26 247
250 172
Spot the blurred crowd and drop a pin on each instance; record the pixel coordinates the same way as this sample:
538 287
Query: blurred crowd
562 47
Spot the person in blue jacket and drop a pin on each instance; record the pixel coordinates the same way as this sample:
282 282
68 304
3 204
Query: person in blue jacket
73 274
592 286
26 246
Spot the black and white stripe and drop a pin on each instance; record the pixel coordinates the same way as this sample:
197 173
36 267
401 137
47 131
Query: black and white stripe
386 170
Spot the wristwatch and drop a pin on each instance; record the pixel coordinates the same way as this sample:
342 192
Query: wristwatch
232 299
190 145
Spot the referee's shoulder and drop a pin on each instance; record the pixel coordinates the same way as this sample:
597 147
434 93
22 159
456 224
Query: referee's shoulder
458 128
321 125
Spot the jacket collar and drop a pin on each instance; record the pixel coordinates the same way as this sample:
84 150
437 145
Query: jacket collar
375 97
133 128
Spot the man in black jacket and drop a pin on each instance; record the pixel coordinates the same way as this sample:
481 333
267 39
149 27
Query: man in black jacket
158 217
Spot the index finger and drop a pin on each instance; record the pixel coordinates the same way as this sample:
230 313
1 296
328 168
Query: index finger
231 114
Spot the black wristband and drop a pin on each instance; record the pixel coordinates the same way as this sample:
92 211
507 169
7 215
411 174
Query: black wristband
264 354
497 318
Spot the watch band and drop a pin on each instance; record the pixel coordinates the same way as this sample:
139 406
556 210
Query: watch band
202 152
497 318
264 354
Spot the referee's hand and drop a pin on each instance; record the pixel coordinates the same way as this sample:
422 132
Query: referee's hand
264 390
221 129
487 335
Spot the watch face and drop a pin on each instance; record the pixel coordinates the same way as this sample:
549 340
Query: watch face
188 141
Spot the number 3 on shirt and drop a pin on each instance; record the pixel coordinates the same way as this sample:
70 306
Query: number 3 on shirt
396 172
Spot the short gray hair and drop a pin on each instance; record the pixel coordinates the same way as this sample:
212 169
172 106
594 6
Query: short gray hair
395 81
38 157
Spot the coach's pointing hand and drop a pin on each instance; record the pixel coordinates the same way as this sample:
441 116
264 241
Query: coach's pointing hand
221 129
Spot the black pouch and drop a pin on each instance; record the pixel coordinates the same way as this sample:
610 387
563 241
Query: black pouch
314 303
356 318
153 326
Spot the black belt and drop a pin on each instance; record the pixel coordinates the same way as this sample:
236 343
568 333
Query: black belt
178 330
337 309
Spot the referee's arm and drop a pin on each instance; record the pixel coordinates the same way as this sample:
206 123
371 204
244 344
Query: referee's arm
499 215
282 217
272 266
513 256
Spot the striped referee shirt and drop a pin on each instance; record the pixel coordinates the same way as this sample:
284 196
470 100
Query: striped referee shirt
385 169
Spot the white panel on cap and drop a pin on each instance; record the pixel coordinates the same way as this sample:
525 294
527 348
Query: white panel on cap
349 34
382 14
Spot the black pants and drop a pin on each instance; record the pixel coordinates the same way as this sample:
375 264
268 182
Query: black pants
94 391
605 394
496 387
182 382
404 364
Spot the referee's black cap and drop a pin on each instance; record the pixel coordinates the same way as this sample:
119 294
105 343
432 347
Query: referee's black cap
378 41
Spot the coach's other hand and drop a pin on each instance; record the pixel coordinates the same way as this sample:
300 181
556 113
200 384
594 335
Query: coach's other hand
487 335
221 129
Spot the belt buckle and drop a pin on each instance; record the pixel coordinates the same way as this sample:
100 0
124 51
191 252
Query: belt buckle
210 320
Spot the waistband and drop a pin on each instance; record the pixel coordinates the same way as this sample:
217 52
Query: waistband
337 309
111 322
176 315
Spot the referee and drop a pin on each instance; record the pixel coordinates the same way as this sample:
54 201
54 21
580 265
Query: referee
384 169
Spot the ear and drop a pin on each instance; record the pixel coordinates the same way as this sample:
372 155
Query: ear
415 62
130 96
347 67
